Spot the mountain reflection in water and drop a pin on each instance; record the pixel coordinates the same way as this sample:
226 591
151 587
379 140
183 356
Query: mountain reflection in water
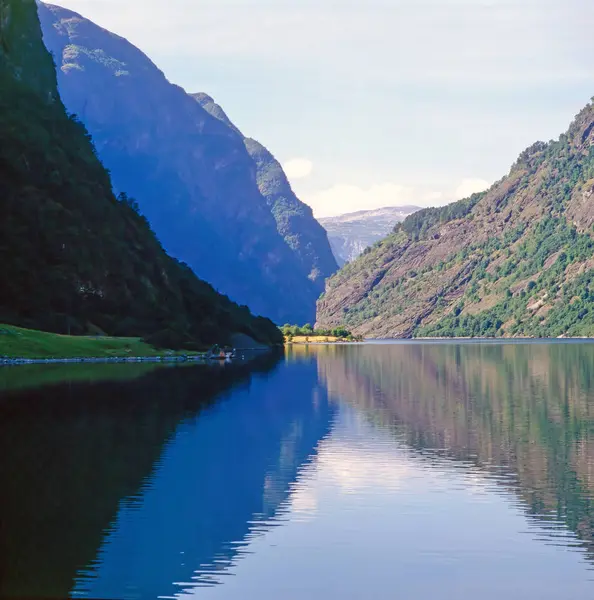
410 470
522 413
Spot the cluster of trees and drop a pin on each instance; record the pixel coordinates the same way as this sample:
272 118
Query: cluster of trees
570 303
307 330
552 242
76 259
419 223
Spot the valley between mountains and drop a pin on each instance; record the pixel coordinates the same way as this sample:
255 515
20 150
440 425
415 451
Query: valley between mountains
135 208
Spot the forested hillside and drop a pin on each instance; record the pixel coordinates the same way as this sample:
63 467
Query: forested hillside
189 170
74 257
516 260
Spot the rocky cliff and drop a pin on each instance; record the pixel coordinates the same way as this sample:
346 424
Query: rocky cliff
352 233
516 260
74 257
189 171
294 220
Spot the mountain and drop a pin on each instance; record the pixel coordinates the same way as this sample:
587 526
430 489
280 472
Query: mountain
516 260
74 257
351 233
189 171
294 220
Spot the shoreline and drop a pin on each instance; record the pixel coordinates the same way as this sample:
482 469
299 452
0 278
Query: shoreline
99 360
481 339
20 346
311 340
202 357
323 343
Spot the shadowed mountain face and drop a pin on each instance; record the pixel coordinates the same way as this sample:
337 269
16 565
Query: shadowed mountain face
522 413
189 171
74 257
147 482
352 233
294 219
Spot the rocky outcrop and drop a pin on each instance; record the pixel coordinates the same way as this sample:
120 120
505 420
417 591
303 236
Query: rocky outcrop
189 171
516 260
352 233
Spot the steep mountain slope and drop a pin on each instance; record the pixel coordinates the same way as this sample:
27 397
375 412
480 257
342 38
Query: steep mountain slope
351 233
190 172
294 219
210 106
73 256
516 260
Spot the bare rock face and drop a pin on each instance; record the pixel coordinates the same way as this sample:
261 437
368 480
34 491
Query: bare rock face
516 260
189 171
350 234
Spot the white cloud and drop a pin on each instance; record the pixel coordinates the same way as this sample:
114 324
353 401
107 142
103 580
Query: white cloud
468 187
406 39
346 198
383 90
298 168
434 197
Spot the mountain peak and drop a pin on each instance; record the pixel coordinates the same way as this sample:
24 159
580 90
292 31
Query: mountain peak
210 106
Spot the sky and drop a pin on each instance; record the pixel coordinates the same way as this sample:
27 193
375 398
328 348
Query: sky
371 103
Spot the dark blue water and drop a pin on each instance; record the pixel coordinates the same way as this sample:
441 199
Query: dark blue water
365 471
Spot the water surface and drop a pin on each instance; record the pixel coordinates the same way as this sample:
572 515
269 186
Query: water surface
417 470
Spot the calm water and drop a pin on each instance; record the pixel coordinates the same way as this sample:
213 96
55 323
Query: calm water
409 471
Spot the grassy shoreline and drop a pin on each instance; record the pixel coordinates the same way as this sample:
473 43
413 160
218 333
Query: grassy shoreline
27 345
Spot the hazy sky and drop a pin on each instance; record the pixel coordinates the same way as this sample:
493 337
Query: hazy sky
371 103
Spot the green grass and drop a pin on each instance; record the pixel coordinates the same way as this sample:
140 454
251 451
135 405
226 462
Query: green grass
16 342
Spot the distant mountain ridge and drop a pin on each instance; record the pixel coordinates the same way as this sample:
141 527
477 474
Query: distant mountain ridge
516 260
350 234
189 171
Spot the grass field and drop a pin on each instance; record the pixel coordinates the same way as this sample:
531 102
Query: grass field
27 343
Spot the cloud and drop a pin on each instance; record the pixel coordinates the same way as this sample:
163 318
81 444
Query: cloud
436 197
439 34
468 187
407 103
345 198
298 168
